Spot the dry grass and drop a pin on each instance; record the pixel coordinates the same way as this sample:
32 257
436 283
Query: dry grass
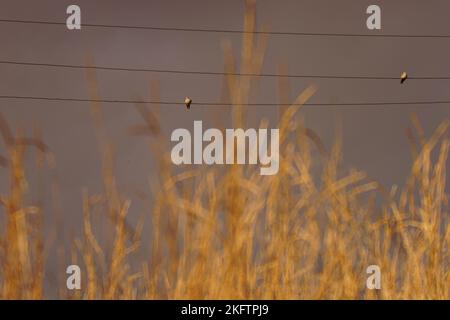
308 232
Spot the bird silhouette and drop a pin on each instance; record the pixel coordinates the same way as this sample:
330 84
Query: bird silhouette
187 102
403 77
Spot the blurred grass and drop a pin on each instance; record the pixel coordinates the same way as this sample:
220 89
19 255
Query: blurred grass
308 232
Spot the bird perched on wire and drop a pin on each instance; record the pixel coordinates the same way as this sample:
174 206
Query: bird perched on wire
187 102
403 77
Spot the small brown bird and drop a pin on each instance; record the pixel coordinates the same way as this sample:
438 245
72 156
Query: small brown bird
403 77
187 102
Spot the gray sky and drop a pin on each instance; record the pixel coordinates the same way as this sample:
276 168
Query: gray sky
374 137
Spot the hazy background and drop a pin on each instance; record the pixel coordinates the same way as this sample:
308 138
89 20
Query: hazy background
374 137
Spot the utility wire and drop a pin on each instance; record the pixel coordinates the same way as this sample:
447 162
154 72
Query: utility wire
214 73
231 31
220 104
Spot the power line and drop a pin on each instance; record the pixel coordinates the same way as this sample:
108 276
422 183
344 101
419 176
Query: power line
217 73
220 104
231 31
214 73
